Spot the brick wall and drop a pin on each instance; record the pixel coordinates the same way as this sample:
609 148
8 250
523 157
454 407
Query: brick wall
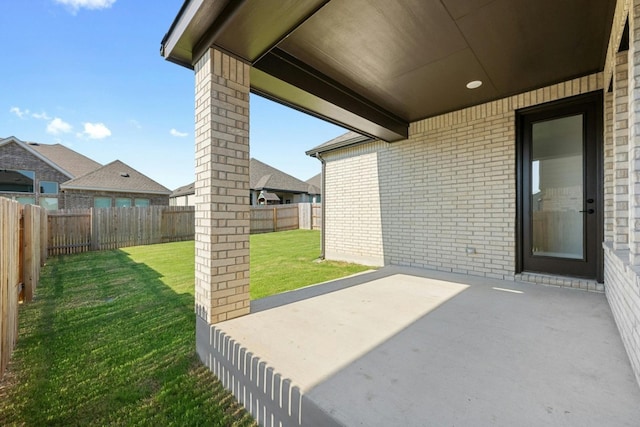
622 220
13 156
622 286
354 229
448 190
77 199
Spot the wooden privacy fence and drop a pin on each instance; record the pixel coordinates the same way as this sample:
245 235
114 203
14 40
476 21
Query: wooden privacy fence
310 216
23 252
82 230
269 218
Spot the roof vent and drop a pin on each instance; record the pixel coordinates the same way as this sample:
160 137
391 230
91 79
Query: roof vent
34 144
124 174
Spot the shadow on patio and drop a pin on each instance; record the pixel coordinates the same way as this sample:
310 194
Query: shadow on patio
410 347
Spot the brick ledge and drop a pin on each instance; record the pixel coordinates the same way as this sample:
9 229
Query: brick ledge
561 281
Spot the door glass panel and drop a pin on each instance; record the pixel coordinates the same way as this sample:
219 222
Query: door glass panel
557 188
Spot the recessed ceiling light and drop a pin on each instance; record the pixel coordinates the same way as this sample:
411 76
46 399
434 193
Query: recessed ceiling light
474 84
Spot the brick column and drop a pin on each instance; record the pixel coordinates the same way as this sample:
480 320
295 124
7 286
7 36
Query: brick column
621 153
609 183
222 187
634 133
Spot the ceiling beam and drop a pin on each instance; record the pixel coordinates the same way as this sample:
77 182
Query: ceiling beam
376 121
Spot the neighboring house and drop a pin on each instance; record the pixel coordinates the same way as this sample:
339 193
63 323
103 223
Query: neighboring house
183 196
57 177
268 186
315 183
493 131
114 185
272 186
42 169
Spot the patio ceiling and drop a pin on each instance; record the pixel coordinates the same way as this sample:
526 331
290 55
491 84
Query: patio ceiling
374 66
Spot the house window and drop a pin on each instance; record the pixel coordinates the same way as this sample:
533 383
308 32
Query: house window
143 203
49 203
16 181
26 200
48 187
102 202
122 202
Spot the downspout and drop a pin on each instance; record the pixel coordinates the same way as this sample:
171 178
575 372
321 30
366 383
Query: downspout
322 201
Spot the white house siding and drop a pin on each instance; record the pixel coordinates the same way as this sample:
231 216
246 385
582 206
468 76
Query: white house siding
448 190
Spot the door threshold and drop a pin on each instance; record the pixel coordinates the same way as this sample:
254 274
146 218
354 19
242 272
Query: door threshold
560 281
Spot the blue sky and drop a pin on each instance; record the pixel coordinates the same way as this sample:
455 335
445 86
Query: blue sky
88 74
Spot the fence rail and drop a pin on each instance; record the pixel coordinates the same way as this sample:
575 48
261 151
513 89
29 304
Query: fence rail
82 230
23 252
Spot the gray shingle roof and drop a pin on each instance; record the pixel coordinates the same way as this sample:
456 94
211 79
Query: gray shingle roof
184 190
66 158
315 184
263 176
116 176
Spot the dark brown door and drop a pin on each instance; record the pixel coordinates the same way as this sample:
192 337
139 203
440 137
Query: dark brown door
560 188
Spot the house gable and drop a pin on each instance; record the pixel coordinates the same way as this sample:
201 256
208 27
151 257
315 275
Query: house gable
117 177
18 155
29 148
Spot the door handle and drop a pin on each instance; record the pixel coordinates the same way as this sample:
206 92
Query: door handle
589 211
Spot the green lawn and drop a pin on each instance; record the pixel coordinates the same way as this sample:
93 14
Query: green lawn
288 260
109 339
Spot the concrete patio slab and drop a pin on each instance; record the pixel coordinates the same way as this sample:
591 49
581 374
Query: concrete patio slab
407 347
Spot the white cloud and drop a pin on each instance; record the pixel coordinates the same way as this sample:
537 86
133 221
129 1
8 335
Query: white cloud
75 5
96 130
41 116
58 126
177 133
18 112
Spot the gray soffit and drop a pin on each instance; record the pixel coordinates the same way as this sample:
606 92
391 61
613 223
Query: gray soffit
374 66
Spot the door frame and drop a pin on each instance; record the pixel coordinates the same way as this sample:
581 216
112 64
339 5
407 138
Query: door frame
592 104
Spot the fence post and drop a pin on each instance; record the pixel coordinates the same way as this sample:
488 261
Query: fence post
275 219
44 235
21 238
27 252
94 232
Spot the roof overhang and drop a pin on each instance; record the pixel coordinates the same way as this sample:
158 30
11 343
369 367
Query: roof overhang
337 143
374 66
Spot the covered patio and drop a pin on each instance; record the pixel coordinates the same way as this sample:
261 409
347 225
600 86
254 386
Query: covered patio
414 347
479 123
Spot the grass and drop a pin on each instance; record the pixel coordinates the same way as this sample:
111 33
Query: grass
287 260
109 339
